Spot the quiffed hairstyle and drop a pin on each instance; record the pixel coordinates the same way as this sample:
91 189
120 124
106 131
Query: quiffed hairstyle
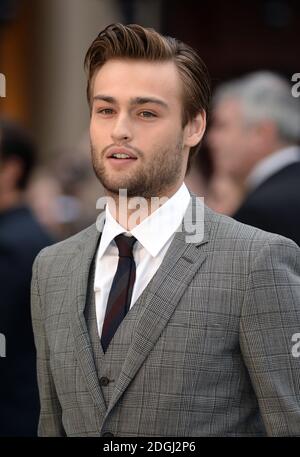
136 42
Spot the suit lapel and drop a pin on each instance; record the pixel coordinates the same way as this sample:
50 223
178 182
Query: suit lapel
163 294
83 347
160 299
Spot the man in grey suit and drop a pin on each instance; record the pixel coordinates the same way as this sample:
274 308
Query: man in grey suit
180 335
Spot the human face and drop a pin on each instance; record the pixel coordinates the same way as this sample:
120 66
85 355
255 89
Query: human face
231 141
137 109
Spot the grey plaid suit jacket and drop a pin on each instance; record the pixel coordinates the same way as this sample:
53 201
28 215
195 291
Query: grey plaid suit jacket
210 352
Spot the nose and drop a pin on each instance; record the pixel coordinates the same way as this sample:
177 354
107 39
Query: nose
122 131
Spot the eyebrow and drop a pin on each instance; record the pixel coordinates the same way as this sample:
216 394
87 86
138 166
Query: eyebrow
144 100
133 101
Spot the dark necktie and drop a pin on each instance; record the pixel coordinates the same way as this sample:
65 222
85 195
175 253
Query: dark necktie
121 290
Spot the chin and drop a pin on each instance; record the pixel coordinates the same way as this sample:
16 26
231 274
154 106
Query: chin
115 188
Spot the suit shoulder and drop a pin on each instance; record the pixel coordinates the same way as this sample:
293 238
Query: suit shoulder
229 230
69 245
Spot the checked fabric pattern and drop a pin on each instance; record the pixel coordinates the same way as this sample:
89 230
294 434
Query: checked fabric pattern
119 299
206 350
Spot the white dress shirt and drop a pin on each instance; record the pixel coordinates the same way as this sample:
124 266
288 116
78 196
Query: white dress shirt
154 236
271 164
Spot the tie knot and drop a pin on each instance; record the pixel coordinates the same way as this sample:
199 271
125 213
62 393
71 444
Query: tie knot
125 245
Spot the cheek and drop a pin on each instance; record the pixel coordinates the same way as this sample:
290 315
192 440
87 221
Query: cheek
236 142
92 129
221 138
96 132
153 139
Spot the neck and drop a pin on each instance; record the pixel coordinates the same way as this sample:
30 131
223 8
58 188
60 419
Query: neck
131 211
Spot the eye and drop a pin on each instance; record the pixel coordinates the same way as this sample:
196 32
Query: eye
105 111
147 114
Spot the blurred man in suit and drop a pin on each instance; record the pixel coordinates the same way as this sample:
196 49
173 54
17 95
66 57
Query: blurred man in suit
254 139
21 238
140 328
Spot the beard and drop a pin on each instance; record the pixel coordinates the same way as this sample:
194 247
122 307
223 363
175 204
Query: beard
150 179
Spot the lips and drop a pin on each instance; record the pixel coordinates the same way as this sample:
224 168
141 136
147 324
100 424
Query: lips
120 151
122 158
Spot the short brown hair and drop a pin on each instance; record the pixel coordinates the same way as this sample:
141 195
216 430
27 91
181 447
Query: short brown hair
136 42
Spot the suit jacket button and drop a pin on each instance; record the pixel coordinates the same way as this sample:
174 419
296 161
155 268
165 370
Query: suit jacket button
104 381
107 434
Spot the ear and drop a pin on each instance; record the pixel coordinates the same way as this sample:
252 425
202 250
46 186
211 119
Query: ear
194 129
267 129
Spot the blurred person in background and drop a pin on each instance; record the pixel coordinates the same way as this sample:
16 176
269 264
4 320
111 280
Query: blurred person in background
254 139
64 191
43 192
21 238
80 188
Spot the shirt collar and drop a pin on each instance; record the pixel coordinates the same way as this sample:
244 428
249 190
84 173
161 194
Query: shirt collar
271 164
154 231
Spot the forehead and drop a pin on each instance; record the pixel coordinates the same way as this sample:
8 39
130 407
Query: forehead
127 78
